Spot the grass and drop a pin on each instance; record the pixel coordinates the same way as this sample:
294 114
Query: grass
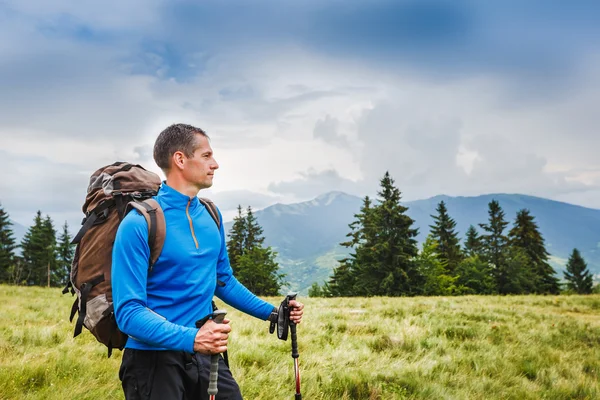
473 347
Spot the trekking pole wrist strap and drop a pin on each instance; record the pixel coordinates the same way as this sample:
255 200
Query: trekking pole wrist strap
280 317
274 315
273 319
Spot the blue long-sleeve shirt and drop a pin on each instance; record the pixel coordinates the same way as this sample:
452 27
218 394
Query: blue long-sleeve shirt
158 308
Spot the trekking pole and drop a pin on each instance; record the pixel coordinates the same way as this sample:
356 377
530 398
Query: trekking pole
218 317
281 319
295 355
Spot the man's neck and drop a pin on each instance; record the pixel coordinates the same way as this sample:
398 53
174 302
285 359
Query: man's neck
182 186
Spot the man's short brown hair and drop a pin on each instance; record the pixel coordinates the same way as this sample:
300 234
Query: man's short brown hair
177 137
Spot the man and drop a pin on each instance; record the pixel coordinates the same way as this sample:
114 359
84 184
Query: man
166 356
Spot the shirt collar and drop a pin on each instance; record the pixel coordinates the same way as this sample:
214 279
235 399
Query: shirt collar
175 198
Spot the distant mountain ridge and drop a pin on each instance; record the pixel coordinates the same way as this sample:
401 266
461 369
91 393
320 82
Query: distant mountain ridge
307 235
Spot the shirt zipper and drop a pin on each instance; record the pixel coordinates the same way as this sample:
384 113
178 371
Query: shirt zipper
187 212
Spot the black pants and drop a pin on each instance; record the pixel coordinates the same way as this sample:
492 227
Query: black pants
172 375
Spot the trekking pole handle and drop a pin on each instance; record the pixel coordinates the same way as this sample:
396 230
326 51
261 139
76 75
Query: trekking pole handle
294 340
218 317
292 296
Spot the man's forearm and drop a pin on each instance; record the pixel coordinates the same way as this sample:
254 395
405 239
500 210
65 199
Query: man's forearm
238 296
144 325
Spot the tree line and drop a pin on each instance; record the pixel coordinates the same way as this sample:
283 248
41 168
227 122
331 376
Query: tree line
385 260
46 256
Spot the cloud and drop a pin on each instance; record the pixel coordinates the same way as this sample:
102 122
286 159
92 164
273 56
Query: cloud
144 153
327 129
303 98
419 151
313 183
443 39
57 189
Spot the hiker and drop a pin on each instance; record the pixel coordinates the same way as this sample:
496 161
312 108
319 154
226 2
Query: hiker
166 356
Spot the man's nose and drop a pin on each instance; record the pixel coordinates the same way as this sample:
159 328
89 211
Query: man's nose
215 165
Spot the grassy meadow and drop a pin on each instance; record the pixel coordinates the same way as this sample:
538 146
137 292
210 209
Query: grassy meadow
522 347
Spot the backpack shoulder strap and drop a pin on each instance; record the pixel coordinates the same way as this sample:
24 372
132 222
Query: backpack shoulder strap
157 227
212 209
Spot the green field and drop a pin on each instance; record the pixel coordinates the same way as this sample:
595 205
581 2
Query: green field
524 347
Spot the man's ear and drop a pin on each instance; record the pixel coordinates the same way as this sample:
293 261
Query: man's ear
178 160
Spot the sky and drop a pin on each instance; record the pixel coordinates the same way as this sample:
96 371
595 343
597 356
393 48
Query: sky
301 98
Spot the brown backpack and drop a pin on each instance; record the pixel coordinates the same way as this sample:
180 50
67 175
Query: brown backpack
113 191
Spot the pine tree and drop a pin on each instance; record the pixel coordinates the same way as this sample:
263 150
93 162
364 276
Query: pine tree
253 265
33 249
495 245
51 251
259 272
437 281
448 244
525 234
391 270
474 276
578 277
343 280
254 232
517 268
473 245
7 247
65 252
315 290
237 239
361 236
39 251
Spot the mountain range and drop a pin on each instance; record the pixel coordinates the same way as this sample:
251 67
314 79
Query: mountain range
307 235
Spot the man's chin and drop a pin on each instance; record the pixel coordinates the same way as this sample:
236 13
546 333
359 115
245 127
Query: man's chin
206 185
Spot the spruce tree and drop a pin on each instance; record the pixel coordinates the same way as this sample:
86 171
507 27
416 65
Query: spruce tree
254 232
315 290
495 246
391 270
437 281
237 238
7 247
517 268
51 254
474 276
65 252
526 235
578 277
473 245
33 251
345 276
259 272
39 251
448 244
253 265
343 280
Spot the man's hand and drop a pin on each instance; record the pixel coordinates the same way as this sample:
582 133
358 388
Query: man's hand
212 337
296 311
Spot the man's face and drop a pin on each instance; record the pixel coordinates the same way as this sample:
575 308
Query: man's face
200 168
